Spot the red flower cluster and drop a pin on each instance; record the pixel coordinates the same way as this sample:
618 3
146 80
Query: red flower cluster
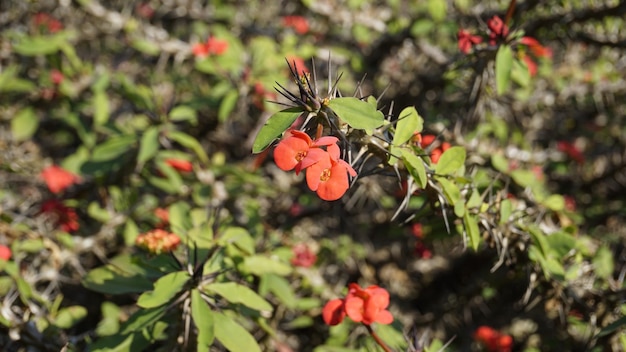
180 164
420 250
365 306
158 241
213 46
498 30
47 22
58 179
164 217
493 340
467 40
65 217
327 173
5 252
303 256
571 150
298 23
426 141
538 51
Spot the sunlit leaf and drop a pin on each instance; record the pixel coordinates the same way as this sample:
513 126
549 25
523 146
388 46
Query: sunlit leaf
236 293
165 289
142 319
203 319
416 167
259 265
189 142
24 124
409 122
450 161
227 105
274 127
69 316
504 62
471 227
101 108
148 145
357 113
233 336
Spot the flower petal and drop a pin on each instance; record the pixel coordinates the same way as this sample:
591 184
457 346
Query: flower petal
333 312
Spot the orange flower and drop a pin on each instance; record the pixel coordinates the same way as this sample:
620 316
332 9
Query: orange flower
298 64
5 252
213 46
303 256
299 151
328 177
65 217
158 241
298 23
180 164
58 179
365 306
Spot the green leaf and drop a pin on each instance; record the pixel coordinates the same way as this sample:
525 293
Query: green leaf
409 122
24 124
146 46
238 237
416 168
40 45
110 322
183 113
189 142
506 208
227 105
10 82
450 190
143 318
560 244
524 178
450 161
165 289
274 127
504 61
555 202
236 293
114 148
121 343
121 276
279 287
101 108
203 318
603 262
520 73
179 218
233 336
499 163
69 316
259 265
437 9
357 113
148 145
611 328
471 227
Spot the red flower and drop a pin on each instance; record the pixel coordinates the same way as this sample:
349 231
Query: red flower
158 241
180 164
417 230
45 21
163 215
56 76
298 64
536 48
361 305
65 216
571 150
497 29
144 10
467 41
421 251
299 151
5 252
329 176
213 46
303 256
298 23
58 179
492 340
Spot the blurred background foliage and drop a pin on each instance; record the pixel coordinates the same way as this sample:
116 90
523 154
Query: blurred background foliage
112 90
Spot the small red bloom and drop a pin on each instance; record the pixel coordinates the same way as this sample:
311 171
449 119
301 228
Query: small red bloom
65 217
158 241
45 21
143 9
536 48
417 230
213 46
303 256
571 150
298 64
180 164
298 23
58 179
163 215
466 40
427 140
5 252
361 305
299 151
421 251
497 28
56 76
492 340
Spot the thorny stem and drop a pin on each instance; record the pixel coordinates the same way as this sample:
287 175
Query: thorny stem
509 13
377 339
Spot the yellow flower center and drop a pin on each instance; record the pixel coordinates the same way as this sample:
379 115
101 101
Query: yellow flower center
300 156
325 176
